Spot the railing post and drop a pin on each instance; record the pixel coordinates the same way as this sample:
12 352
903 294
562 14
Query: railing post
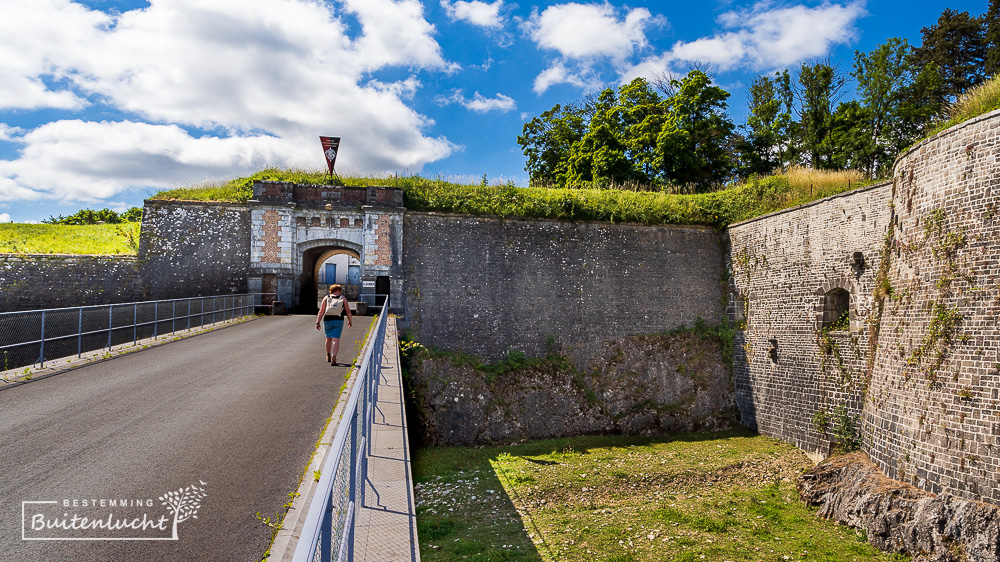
110 324
189 315
352 478
135 321
156 317
79 335
41 345
173 316
326 531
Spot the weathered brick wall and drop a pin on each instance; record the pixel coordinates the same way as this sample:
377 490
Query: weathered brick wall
781 268
482 285
190 249
29 281
933 406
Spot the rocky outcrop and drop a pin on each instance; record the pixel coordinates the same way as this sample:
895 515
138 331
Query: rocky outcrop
640 385
898 517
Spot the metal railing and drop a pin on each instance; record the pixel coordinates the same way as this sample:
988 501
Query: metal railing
372 301
35 336
329 525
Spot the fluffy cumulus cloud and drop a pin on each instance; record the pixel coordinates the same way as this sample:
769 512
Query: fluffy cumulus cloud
480 103
203 88
483 14
763 38
584 35
4 217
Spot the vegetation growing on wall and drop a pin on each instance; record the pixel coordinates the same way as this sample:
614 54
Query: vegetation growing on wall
931 352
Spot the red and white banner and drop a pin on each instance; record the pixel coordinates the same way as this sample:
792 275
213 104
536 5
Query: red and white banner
330 147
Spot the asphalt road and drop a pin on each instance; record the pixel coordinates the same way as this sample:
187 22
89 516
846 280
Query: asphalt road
239 409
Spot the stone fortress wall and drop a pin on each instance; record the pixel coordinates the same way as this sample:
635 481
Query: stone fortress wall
933 408
35 281
186 249
785 272
918 365
914 262
483 285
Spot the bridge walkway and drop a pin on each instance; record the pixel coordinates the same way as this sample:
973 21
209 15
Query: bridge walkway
387 522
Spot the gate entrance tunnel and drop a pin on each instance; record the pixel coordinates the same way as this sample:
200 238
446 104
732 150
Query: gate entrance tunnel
324 266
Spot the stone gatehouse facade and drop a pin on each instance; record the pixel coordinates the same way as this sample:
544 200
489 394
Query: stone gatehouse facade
294 228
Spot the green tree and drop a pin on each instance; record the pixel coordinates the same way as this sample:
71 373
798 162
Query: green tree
899 101
694 145
820 88
991 39
90 216
955 44
634 135
134 214
851 141
547 141
643 112
767 144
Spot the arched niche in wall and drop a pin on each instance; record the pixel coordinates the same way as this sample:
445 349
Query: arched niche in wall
741 310
835 306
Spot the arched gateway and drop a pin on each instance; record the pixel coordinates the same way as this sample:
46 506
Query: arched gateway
294 228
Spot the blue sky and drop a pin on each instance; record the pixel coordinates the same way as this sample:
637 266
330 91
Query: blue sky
105 102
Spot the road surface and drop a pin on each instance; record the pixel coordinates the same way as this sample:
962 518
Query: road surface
228 419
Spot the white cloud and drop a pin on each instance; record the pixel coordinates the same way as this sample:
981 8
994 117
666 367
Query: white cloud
267 76
585 35
560 74
7 133
394 32
766 38
35 39
4 217
483 14
480 103
587 31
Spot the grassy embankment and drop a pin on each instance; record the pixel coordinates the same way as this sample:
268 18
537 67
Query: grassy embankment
716 497
980 100
755 197
101 239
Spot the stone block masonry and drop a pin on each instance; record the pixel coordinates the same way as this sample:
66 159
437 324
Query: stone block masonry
190 249
484 285
786 272
934 402
31 282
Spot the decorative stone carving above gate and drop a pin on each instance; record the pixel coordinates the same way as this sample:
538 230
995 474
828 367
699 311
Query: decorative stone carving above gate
293 224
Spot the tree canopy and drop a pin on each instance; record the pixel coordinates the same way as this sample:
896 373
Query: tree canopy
635 134
89 216
677 133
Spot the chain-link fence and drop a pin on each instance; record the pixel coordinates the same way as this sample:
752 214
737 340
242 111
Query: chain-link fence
328 531
36 336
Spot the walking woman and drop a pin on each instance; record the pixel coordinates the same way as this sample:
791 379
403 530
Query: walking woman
331 314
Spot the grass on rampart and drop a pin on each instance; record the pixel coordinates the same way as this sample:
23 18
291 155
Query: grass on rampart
96 239
714 497
753 198
980 100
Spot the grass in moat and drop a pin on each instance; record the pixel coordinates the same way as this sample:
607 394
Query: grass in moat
100 239
709 496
